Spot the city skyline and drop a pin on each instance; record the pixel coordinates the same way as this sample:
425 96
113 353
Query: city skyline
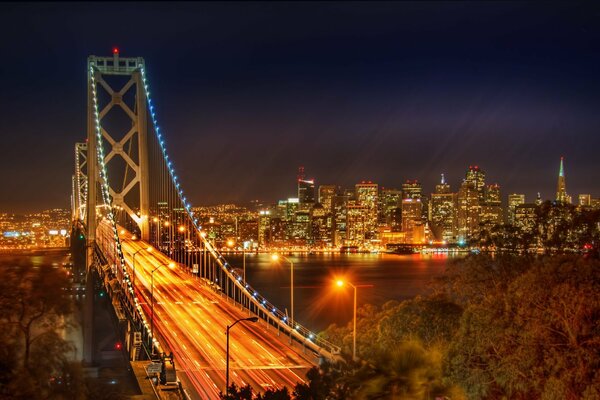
395 91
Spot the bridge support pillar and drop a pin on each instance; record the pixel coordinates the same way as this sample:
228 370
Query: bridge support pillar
88 319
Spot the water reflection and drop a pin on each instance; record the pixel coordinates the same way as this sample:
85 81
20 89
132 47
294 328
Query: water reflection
317 303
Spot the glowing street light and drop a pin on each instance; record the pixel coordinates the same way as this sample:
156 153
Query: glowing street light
170 265
149 250
251 319
181 228
340 283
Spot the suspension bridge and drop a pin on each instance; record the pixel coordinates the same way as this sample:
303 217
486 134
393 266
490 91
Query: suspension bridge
169 285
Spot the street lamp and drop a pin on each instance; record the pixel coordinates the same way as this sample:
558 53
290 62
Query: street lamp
149 250
251 319
341 283
276 257
170 265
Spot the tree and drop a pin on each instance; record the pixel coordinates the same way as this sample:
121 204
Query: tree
33 307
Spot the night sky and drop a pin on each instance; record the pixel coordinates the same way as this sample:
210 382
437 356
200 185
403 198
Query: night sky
246 93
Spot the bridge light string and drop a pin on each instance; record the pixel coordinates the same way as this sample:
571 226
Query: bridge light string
212 250
107 198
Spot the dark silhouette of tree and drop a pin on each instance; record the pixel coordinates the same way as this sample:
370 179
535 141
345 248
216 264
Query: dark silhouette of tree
33 308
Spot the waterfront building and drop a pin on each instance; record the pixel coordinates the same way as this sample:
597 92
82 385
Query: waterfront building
514 200
467 211
366 194
339 204
326 195
442 215
264 222
321 226
411 218
357 222
390 208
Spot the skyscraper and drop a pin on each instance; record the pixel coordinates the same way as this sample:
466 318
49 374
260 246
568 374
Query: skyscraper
390 212
468 211
411 189
476 177
513 201
367 196
561 187
326 195
443 212
306 191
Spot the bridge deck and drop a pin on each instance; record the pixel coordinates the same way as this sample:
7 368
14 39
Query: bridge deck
191 319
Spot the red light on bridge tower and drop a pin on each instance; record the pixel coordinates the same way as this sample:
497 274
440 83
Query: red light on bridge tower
116 51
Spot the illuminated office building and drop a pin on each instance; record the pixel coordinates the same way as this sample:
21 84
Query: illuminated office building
411 218
468 211
476 177
390 208
525 217
326 195
357 223
411 189
513 201
585 200
442 213
366 194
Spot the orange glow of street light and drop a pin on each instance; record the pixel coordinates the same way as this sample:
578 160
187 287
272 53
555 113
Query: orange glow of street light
122 231
339 282
230 243
274 257
155 219
171 265
181 228
167 223
203 234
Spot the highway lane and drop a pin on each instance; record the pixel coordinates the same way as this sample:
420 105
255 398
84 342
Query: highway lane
191 320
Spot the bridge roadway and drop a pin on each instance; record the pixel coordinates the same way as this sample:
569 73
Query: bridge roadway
190 320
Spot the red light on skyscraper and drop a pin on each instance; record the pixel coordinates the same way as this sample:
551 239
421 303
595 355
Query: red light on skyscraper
115 50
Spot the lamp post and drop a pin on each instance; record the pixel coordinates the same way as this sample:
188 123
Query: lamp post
152 301
251 319
149 250
276 257
341 283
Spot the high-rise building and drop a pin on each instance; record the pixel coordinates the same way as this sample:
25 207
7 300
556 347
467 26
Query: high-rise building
561 187
585 200
326 195
491 210
390 208
306 191
525 217
492 195
476 177
513 201
264 220
321 226
411 217
339 204
468 211
443 212
357 217
411 189
366 194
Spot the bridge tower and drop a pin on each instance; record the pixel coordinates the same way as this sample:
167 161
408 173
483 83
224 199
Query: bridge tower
117 141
